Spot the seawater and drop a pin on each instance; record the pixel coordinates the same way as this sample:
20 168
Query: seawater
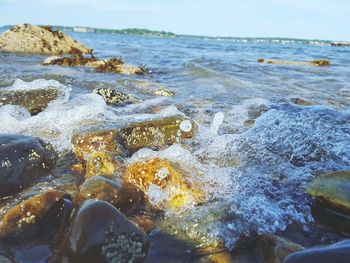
254 175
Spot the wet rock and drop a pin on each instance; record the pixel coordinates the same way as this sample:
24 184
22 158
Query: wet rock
34 101
164 92
87 142
101 163
318 63
74 61
163 182
302 102
29 216
338 252
274 249
23 160
123 196
100 233
156 134
112 65
116 65
333 190
39 39
115 97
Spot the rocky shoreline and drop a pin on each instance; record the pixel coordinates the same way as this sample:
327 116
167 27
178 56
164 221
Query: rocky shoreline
112 211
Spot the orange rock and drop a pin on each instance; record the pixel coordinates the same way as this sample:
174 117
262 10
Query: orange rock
160 175
101 163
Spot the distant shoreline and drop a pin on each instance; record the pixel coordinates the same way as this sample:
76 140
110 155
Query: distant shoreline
164 34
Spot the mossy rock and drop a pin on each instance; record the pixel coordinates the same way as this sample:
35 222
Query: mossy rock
333 190
35 101
156 134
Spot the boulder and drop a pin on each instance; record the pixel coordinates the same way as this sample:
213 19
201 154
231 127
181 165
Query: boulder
23 160
156 134
115 97
317 63
29 216
164 183
123 196
100 233
33 100
41 40
338 252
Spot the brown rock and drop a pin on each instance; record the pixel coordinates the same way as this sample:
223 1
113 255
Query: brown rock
123 196
38 39
318 63
27 214
35 101
156 134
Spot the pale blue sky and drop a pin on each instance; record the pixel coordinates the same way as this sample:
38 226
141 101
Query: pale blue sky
320 19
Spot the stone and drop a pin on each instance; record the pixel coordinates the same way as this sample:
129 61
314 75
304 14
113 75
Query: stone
164 92
21 218
87 142
34 100
302 102
101 163
41 40
274 249
156 134
74 61
333 190
100 233
123 196
164 183
317 63
23 160
116 65
115 97
112 65
338 252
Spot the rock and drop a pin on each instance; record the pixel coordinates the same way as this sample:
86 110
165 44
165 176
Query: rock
112 65
123 196
318 63
164 92
75 61
23 160
338 252
101 163
116 65
100 233
164 183
87 142
156 134
274 249
333 190
34 100
115 97
28 216
211 254
302 102
39 39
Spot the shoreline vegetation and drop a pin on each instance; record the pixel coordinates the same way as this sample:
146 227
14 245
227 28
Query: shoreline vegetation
165 34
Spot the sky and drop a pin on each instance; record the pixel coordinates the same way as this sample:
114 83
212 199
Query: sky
311 19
